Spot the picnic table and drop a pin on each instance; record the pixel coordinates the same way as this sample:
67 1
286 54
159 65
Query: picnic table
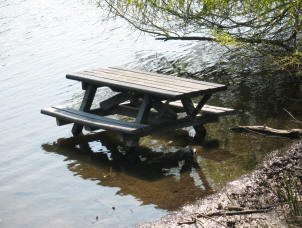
153 100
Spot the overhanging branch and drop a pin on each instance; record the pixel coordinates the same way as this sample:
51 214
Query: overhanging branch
279 43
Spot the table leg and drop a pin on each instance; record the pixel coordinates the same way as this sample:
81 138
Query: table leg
144 110
192 112
85 106
142 116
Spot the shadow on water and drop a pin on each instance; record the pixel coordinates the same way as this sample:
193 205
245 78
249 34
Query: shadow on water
166 177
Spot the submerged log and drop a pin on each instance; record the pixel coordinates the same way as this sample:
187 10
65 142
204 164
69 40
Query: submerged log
292 133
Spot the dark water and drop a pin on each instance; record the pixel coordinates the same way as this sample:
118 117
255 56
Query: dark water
50 179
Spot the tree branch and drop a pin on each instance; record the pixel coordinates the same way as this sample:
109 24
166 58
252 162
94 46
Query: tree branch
279 43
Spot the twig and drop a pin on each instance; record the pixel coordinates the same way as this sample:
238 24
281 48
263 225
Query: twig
220 213
292 116
199 222
230 199
205 216
192 221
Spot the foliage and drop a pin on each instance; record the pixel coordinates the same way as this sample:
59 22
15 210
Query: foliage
269 27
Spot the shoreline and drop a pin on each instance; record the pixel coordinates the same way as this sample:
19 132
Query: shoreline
254 193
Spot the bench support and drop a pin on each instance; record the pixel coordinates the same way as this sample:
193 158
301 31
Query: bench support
114 101
164 109
85 107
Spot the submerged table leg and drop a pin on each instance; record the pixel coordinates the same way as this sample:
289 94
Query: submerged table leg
85 106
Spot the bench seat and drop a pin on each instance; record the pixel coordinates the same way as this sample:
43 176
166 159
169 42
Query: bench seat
208 109
68 115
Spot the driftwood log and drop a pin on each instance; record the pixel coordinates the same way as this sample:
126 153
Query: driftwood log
292 133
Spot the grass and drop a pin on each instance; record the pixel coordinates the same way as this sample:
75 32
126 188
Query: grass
287 193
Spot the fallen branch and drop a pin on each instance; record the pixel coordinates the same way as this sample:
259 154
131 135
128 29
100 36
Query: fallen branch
230 213
221 213
293 133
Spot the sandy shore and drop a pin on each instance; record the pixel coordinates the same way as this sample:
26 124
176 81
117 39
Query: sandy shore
250 201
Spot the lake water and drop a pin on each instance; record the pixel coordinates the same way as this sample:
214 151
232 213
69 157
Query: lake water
50 179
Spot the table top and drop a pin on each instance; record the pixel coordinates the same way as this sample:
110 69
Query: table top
157 85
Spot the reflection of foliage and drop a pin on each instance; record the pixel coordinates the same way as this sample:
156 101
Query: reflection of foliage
266 27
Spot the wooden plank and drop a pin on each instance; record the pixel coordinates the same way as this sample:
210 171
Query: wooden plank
170 77
142 82
160 82
132 81
124 86
99 118
85 106
91 120
149 81
195 89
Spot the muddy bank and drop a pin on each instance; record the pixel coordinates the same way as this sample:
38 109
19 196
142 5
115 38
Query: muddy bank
250 201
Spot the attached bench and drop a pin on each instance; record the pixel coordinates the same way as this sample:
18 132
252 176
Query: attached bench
65 115
92 121
208 109
154 100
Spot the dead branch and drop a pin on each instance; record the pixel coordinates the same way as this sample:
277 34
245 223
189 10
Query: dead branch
293 133
221 213
230 213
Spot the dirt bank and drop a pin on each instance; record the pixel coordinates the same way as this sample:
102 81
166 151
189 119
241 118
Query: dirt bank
250 201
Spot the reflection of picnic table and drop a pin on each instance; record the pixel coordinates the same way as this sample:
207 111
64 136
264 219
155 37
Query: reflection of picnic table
165 179
154 100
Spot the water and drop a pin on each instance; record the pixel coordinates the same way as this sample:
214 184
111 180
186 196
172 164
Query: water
50 179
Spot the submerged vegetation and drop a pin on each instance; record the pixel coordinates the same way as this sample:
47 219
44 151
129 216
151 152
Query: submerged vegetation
266 28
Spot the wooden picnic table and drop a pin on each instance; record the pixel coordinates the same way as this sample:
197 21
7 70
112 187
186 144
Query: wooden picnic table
153 100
